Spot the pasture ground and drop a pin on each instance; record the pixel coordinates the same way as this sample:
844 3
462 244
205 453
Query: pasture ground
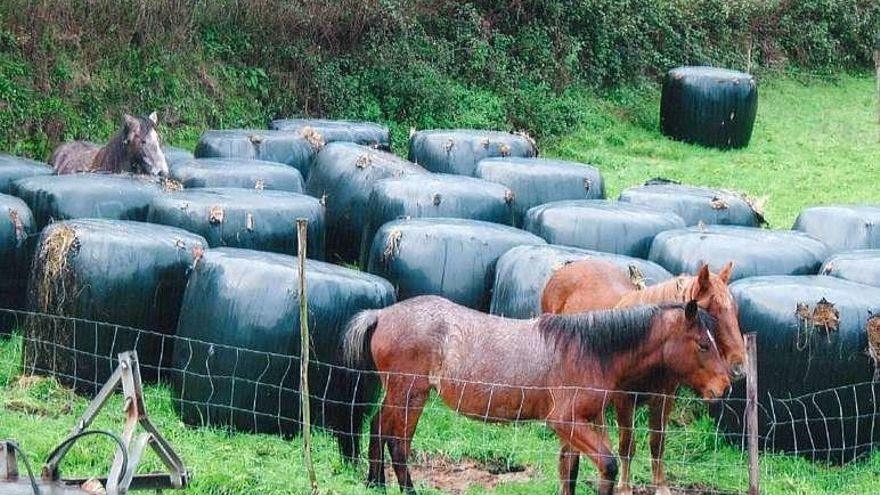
815 141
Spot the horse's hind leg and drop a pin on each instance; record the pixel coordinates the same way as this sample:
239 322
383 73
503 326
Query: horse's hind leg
592 441
376 474
625 406
569 465
404 402
661 407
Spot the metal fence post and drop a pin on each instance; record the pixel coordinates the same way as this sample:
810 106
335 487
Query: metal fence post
752 410
301 227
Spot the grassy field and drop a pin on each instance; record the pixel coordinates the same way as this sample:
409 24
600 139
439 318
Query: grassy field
814 142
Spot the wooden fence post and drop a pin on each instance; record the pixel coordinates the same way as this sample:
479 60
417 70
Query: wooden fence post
301 227
752 410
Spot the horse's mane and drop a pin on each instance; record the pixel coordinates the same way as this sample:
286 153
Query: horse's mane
605 333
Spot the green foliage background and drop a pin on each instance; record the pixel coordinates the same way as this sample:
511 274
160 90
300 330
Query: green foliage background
68 69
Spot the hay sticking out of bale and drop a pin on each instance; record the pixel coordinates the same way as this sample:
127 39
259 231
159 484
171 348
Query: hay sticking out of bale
637 277
52 278
314 137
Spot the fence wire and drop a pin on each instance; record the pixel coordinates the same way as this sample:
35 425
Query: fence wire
249 391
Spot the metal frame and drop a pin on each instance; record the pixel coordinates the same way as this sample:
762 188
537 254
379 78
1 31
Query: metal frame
117 482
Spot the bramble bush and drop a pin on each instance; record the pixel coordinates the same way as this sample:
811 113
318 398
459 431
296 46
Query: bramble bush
69 69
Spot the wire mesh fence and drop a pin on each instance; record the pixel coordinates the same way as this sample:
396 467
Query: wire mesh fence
245 391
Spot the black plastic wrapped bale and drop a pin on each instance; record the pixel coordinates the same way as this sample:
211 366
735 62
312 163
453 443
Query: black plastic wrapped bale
274 146
16 225
173 155
239 343
13 168
860 265
696 204
243 218
343 177
522 273
127 275
66 197
237 172
434 196
842 227
709 106
323 131
458 151
815 335
600 225
754 251
535 181
449 257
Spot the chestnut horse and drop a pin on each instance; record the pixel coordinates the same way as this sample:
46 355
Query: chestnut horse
555 368
135 148
596 284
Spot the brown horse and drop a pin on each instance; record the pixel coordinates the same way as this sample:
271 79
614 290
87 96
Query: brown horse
556 368
134 148
595 284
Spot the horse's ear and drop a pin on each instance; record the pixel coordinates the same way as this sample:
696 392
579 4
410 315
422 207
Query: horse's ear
725 272
131 123
690 309
154 118
701 286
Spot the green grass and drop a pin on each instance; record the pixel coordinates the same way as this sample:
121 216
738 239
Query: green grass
814 142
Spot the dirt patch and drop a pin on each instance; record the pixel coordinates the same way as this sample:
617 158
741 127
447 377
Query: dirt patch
448 476
39 396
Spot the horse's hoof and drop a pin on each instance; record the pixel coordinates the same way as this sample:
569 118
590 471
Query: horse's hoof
662 490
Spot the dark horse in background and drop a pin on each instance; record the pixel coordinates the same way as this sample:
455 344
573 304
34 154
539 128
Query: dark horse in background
555 368
135 149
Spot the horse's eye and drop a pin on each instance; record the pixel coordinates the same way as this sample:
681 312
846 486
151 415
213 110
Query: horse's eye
704 346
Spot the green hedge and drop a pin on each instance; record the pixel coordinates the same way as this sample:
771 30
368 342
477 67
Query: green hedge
69 68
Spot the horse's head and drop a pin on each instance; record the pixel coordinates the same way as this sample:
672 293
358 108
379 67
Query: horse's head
692 353
142 141
712 294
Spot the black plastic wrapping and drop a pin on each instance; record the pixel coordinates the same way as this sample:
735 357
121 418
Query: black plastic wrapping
535 181
237 172
860 265
601 225
244 218
457 151
448 257
13 168
842 227
522 273
16 225
331 131
696 204
257 144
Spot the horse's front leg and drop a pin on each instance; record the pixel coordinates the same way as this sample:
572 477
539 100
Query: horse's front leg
625 405
591 441
660 408
569 465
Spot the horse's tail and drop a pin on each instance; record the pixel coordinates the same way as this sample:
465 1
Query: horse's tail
358 333
356 354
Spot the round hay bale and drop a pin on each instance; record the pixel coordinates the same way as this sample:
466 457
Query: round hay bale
173 155
284 147
861 265
535 181
755 252
449 257
600 225
122 273
322 131
16 226
66 197
842 227
522 273
343 177
458 151
234 172
13 168
709 106
434 196
696 204
815 336
239 342
243 218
